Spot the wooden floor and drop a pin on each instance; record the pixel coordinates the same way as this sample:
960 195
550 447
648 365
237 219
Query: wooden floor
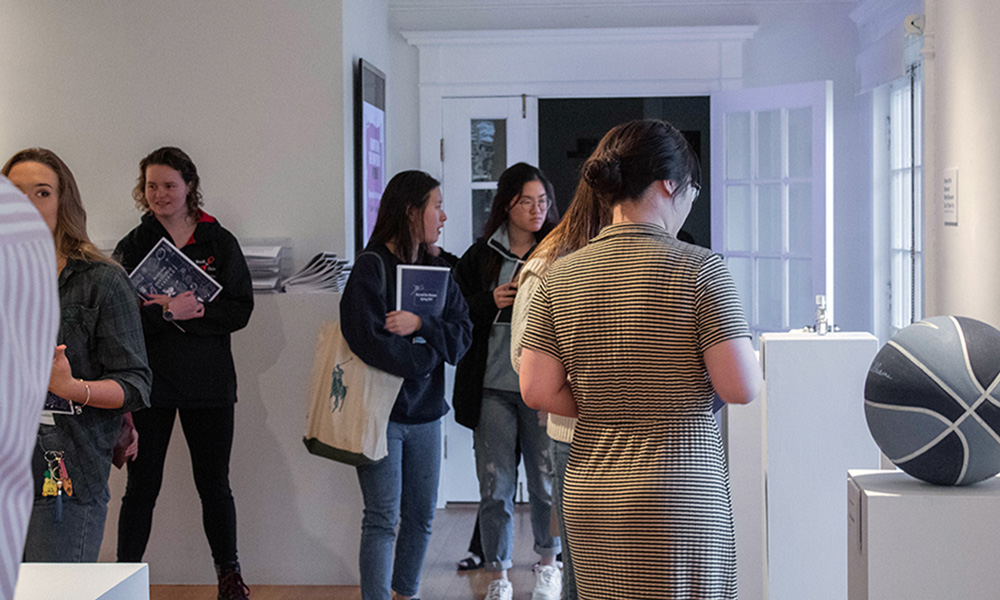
440 580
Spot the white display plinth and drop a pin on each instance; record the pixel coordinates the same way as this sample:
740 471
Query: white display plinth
82 581
788 456
911 540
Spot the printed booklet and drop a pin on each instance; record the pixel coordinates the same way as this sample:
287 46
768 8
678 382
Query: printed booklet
422 290
167 270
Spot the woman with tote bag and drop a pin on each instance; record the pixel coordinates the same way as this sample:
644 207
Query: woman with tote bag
402 487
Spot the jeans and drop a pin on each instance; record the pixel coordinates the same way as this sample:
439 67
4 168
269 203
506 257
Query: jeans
209 436
504 421
76 539
401 488
560 458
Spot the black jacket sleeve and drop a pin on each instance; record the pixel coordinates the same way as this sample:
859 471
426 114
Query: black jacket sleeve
451 333
362 321
482 307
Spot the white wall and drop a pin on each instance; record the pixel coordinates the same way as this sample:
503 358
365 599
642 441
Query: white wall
366 35
796 42
260 94
298 515
253 90
963 131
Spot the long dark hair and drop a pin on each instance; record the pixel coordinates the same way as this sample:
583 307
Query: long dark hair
509 188
407 192
631 156
70 234
178 160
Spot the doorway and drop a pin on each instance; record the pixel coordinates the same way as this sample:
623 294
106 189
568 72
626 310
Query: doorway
569 129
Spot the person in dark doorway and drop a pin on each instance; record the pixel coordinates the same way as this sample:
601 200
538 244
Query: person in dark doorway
486 395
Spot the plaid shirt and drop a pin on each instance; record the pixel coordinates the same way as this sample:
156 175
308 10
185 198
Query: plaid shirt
102 330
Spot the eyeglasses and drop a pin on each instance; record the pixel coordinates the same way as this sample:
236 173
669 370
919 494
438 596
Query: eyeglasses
697 190
528 203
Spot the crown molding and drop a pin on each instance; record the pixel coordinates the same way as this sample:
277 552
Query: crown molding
609 35
450 5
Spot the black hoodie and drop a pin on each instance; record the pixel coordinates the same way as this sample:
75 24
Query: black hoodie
194 368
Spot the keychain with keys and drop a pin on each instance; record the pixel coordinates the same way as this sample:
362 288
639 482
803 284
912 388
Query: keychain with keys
54 458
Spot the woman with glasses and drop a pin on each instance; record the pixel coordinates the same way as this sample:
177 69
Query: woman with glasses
486 397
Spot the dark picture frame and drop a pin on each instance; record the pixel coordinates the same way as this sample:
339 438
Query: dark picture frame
369 149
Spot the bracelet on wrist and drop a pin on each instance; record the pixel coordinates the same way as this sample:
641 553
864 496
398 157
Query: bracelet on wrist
87 386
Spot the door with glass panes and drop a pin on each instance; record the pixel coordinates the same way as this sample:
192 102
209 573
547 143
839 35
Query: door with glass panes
772 200
481 137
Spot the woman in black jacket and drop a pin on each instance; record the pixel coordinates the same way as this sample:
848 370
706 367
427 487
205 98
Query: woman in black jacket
486 395
188 342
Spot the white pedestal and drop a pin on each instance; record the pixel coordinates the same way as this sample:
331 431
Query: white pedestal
787 459
910 540
82 581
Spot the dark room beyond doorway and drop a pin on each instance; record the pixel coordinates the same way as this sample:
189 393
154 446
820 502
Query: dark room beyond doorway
569 129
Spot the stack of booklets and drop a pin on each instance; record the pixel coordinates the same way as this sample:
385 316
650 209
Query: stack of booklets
323 273
265 263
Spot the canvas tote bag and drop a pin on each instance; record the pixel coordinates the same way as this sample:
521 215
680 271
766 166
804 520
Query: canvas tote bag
349 401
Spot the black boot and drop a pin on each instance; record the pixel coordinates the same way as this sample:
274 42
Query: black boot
231 586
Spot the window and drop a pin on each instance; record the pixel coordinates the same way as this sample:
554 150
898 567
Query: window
899 202
771 202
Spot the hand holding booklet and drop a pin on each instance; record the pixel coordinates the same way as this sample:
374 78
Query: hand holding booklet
166 270
422 290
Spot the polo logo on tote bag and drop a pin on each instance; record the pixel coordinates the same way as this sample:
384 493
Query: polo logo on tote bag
349 401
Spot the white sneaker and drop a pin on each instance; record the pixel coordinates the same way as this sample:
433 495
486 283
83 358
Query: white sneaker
548 583
501 589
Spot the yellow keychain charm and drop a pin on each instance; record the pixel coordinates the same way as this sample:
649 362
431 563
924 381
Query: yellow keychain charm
49 487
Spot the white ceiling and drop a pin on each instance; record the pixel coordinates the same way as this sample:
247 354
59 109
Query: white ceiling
493 4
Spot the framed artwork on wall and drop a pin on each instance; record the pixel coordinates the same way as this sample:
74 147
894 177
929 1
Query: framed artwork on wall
369 152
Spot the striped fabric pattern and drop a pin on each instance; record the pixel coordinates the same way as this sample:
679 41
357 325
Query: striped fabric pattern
29 321
647 502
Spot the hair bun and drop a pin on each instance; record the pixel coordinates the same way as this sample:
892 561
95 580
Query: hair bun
604 175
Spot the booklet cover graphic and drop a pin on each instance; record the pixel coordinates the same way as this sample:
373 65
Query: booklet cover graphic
167 270
422 290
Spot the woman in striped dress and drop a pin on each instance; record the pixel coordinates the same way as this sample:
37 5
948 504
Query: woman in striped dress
647 329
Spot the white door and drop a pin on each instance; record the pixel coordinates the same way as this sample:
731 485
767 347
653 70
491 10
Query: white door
481 138
772 200
772 220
